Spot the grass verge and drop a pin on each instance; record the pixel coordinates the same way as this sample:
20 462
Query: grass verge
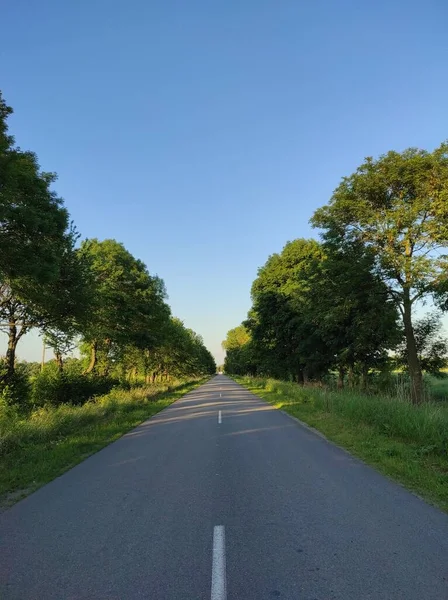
407 443
36 449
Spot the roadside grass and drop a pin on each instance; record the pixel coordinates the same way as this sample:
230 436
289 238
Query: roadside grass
36 448
405 442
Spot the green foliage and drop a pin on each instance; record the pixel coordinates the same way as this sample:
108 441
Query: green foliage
239 352
285 341
53 387
129 306
17 391
31 369
356 319
314 306
40 283
397 206
237 337
182 352
34 222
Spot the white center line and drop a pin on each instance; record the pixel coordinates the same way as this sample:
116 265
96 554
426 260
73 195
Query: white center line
219 585
219 417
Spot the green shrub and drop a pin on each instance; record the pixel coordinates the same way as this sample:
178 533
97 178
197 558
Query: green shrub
19 389
55 388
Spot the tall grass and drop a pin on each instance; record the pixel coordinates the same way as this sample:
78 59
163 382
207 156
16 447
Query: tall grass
49 423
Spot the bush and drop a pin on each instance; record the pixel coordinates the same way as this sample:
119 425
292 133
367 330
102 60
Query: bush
18 391
54 388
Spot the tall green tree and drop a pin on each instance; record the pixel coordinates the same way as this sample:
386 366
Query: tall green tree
397 205
239 359
285 339
352 310
33 220
57 307
37 264
129 305
182 353
236 337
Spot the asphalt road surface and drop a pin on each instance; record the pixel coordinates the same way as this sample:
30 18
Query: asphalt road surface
220 496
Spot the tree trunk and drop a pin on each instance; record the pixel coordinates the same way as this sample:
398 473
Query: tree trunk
300 379
351 377
11 353
59 361
341 374
415 370
93 358
306 378
364 376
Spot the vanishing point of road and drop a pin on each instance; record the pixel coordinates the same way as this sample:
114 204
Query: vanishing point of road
219 497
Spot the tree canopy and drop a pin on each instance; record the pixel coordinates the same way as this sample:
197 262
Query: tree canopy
397 206
313 309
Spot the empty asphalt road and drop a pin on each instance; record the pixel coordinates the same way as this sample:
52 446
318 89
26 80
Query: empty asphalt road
220 496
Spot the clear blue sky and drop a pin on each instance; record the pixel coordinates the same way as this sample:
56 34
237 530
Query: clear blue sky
203 135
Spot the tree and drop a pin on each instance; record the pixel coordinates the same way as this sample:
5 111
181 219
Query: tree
239 359
236 338
56 307
432 348
32 217
36 245
397 206
181 353
73 298
61 342
285 339
352 311
129 306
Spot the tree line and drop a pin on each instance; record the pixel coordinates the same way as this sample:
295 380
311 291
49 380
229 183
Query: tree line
91 293
347 304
